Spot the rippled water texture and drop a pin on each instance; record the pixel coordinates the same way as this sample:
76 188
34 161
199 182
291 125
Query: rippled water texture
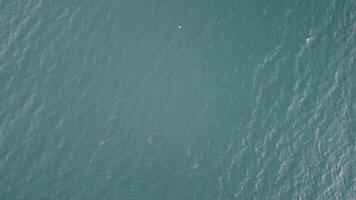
177 100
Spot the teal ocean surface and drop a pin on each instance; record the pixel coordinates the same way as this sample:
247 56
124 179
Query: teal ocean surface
177 100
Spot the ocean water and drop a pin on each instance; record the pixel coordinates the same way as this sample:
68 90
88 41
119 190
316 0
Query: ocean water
177 100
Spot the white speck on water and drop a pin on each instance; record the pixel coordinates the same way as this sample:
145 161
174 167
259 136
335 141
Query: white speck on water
189 151
104 141
309 39
195 165
179 27
150 139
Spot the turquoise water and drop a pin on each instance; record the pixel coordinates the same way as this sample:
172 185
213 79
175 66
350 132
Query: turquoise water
177 100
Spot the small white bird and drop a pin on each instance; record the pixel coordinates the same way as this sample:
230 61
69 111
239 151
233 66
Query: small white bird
104 141
309 39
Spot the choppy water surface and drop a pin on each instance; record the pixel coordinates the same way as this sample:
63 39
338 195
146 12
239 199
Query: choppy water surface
173 100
